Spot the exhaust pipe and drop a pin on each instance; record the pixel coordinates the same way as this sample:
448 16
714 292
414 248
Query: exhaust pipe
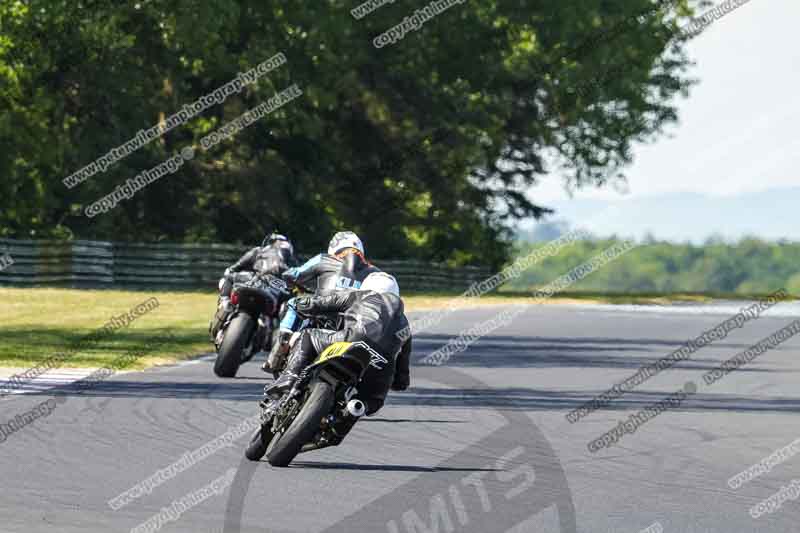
356 408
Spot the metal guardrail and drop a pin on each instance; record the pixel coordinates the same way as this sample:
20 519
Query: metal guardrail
84 263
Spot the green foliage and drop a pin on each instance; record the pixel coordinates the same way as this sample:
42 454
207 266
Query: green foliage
750 266
425 146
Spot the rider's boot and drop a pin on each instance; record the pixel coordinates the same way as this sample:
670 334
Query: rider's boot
224 309
279 350
298 360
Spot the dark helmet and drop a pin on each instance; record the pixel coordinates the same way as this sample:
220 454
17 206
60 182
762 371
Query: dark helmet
278 240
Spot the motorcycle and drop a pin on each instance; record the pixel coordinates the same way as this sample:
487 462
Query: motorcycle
307 323
250 323
319 410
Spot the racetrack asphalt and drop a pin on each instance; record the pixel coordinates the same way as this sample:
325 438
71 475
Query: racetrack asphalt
480 443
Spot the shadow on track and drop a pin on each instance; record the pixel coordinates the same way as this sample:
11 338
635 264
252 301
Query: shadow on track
527 399
494 352
565 352
412 420
385 468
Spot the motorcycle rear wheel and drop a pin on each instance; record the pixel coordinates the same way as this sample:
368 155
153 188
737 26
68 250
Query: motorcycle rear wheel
229 355
284 448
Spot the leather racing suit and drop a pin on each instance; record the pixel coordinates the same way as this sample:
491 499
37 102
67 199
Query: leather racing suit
372 317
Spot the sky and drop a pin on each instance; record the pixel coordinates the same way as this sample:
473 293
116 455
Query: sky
731 165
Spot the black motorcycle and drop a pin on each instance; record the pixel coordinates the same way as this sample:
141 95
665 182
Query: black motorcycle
307 323
319 410
249 326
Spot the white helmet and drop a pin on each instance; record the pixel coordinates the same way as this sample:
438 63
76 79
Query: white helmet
381 282
344 239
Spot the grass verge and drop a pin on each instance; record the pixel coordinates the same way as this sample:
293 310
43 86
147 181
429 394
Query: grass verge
37 323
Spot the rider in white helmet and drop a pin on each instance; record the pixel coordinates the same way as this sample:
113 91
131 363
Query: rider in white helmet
381 282
373 314
343 267
344 240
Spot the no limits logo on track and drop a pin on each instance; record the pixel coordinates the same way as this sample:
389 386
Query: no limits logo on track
509 477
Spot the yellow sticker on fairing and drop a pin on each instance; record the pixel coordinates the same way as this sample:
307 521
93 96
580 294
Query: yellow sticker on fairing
334 350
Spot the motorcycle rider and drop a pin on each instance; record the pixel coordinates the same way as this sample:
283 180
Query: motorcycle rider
274 256
374 314
343 267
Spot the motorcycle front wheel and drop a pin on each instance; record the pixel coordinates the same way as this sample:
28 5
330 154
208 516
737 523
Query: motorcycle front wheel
284 448
258 443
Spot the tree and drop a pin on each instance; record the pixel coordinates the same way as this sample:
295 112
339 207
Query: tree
425 146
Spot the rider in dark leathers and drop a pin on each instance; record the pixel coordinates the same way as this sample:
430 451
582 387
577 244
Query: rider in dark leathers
274 256
343 267
373 316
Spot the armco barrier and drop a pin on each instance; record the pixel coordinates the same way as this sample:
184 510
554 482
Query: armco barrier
84 263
